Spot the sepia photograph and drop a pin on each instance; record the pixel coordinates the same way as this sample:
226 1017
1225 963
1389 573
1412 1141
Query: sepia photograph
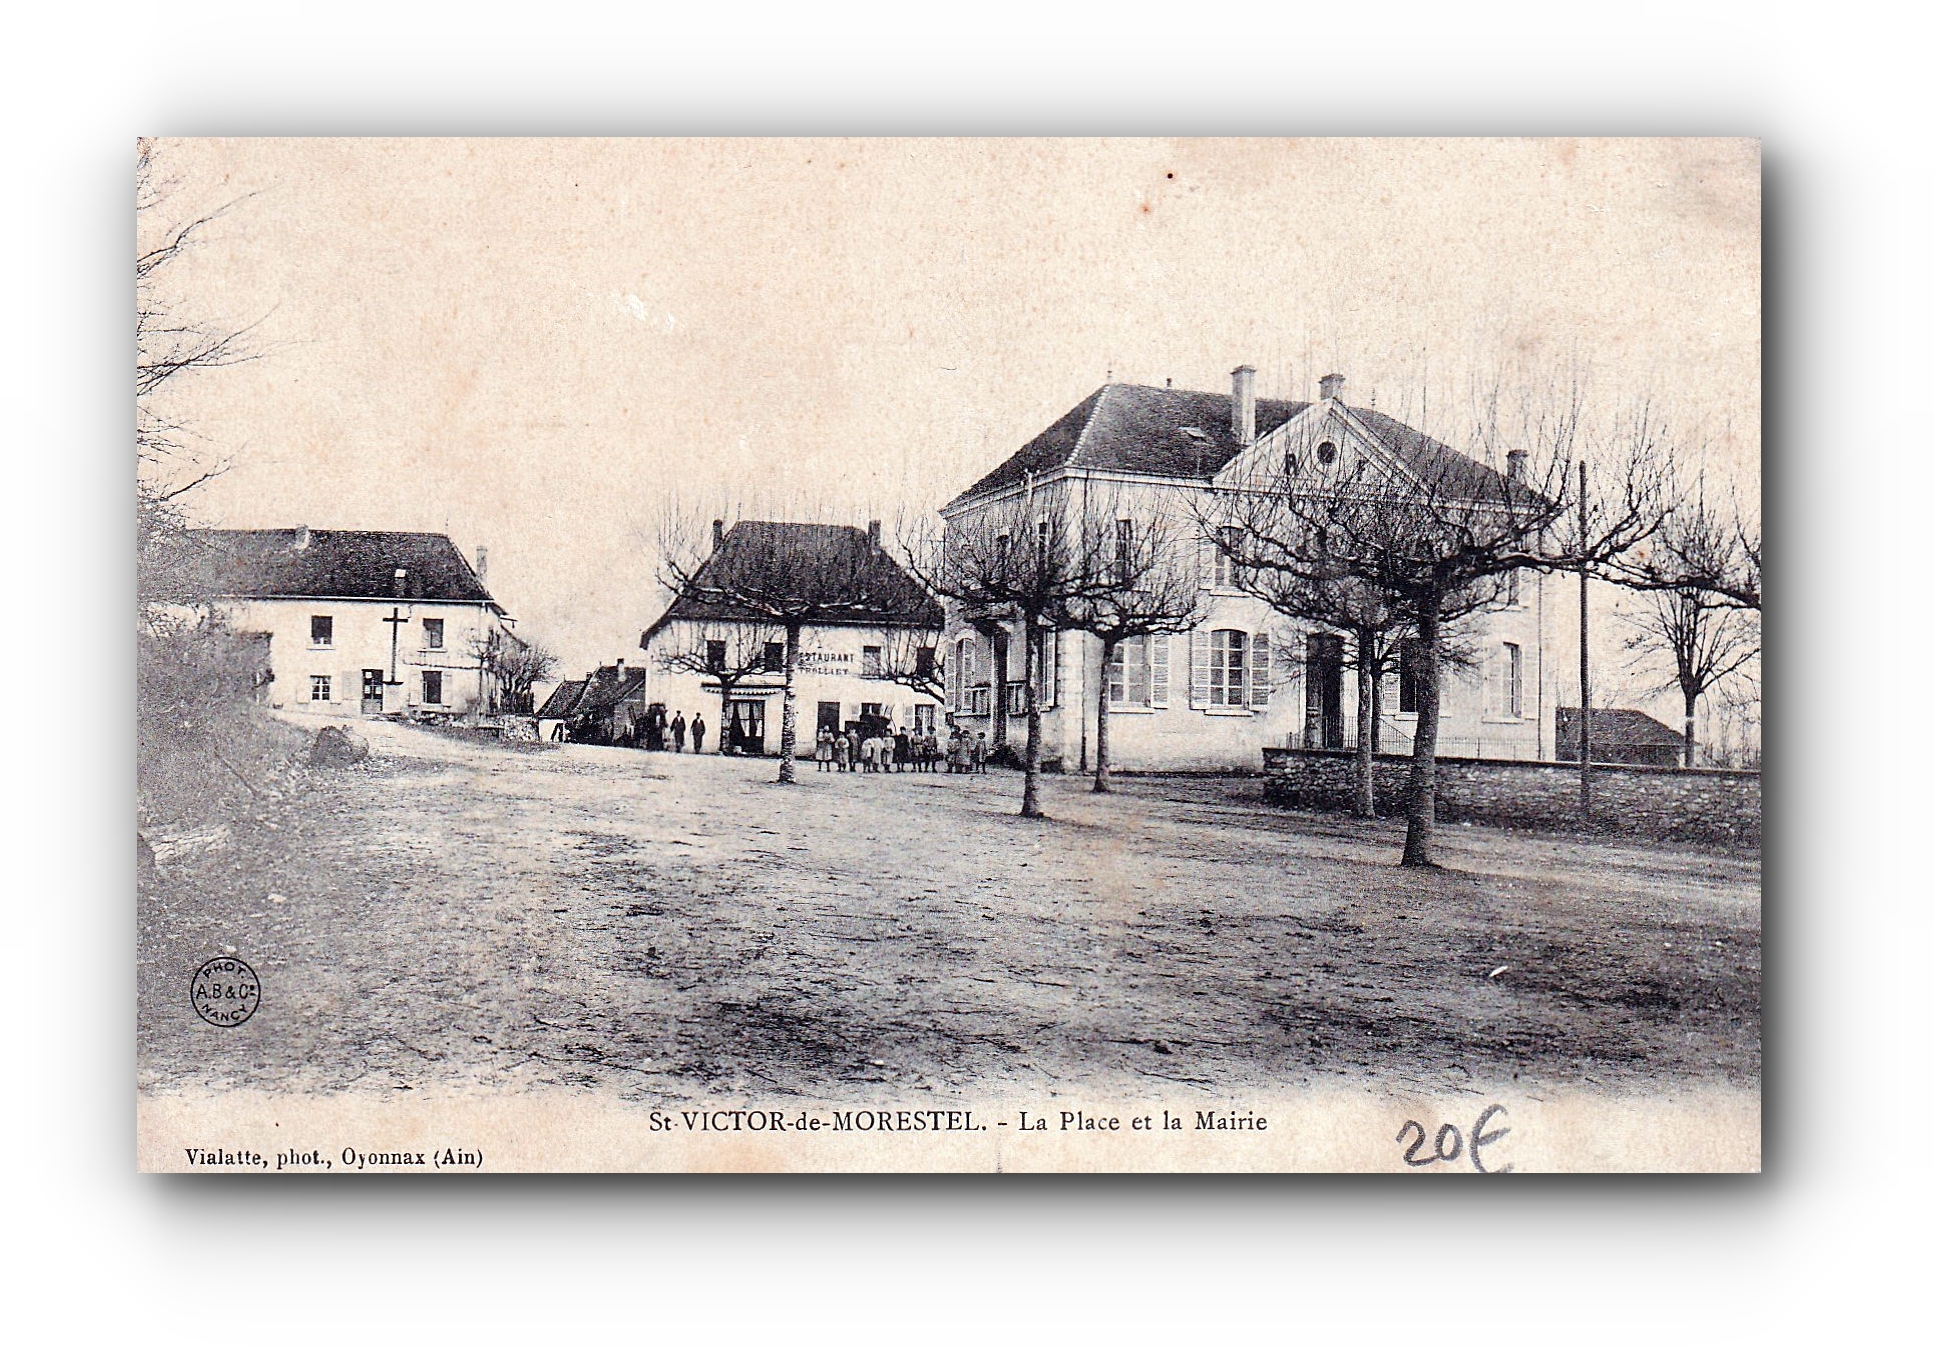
893 655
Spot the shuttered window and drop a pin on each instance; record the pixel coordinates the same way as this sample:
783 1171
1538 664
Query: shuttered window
1158 672
1228 667
1198 669
1129 672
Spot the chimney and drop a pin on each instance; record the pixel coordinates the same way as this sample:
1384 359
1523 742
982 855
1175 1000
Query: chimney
303 537
1242 404
873 532
718 534
399 582
1514 464
1332 386
483 565
621 670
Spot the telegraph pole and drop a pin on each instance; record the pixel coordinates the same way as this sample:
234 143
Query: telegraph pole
1584 660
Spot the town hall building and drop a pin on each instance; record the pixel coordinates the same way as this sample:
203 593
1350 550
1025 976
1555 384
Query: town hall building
1246 677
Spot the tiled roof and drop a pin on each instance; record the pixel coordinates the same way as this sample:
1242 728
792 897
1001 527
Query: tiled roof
562 701
877 590
601 691
338 563
1617 726
608 687
1171 432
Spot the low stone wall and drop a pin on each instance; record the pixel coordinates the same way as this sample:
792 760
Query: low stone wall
1647 801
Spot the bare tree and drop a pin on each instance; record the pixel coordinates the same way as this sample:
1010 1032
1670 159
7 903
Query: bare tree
1146 585
790 576
1018 558
1703 545
1435 534
515 666
910 658
1706 639
1376 626
169 347
726 652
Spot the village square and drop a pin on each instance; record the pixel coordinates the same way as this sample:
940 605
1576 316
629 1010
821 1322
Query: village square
1246 736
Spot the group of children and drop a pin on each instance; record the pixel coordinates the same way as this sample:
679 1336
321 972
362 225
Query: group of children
848 750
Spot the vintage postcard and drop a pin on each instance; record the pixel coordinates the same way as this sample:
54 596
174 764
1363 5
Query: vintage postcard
897 655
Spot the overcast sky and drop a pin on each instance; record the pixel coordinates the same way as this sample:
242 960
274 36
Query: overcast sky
529 344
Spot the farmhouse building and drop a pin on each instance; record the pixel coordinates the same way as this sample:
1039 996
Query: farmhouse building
1623 736
1245 677
606 706
359 623
873 667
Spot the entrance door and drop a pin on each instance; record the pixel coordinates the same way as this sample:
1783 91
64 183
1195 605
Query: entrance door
1323 694
372 691
745 727
828 717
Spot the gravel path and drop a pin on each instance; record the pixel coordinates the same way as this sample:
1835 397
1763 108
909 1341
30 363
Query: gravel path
454 914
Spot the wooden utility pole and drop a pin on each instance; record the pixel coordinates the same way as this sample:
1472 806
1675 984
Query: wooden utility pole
1584 661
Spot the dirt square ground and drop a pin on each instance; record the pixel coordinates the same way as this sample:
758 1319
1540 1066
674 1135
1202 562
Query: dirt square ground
465 915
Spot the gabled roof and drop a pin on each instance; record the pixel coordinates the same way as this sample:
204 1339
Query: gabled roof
883 594
1125 427
1616 726
562 701
601 691
338 563
1171 432
608 687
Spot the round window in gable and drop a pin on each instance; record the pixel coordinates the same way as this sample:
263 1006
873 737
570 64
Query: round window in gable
1326 453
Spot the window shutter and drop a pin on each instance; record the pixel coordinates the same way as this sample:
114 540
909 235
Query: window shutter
1260 679
1158 672
1054 668
1198 668
1492 701
1205 561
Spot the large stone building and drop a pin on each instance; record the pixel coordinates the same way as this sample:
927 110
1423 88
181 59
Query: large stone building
359 623
1245 677
872 665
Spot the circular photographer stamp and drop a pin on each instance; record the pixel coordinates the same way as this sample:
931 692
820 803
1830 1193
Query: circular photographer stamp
225 992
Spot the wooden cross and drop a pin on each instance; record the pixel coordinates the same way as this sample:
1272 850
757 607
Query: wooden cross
396 619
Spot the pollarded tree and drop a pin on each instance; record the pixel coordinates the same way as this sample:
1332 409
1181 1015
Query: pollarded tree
789 576
1145 587
1703 545
1376 626
727 653
910 658
1017 558
1435 534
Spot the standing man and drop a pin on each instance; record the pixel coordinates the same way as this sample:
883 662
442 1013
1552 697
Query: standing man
698 732
678 732
902 749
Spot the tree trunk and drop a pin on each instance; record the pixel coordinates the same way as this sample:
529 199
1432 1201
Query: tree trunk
1031 763
998 679
1366 723
1104 779
1423 756
1692 709
1376 713
789 715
